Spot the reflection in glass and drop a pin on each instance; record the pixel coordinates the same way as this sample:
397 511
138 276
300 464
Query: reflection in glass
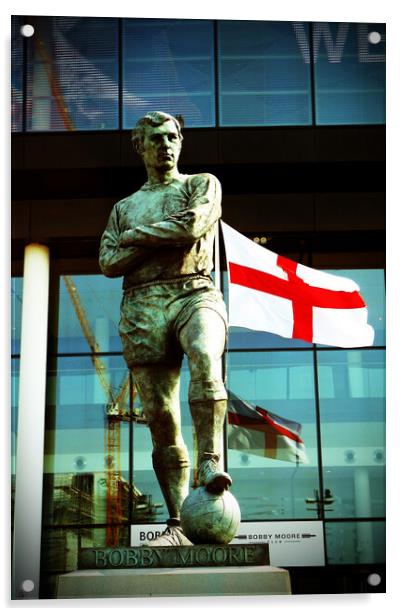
350 543
349 73
352 408
264 75
15 372
86 444
16 313
268 484
16 73
72 76
168 64
89 314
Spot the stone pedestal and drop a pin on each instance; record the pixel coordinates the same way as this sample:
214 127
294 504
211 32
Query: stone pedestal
165 582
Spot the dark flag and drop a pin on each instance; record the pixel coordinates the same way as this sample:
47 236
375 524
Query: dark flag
264 433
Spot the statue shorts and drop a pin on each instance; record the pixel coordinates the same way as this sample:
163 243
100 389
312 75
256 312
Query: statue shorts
153 314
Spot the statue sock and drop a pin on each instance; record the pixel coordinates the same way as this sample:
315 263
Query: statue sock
208 418
172 468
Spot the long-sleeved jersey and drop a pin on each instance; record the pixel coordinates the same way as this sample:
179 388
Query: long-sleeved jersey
171 228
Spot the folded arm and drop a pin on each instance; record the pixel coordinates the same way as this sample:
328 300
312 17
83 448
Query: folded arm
188 225
114 259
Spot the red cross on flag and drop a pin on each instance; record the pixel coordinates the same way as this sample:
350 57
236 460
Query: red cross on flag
271 293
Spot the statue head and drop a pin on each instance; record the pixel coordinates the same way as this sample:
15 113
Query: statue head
151 120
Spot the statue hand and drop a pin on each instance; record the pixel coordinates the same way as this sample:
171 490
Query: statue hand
127 238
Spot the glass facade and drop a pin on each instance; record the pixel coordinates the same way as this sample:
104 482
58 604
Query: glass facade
349 73
352 543
263 78
72 74
17 72
352 410
91 73
266 486
16 306
169 65
98 477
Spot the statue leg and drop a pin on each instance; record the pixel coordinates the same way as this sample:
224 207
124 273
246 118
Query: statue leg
203 340
158 388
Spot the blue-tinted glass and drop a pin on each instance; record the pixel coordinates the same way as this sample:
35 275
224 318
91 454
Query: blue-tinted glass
272 474
86 451
372 289
89 314
73 74
16 73
349 73
350 543
15 377
352 413
264 75
16 313
168 65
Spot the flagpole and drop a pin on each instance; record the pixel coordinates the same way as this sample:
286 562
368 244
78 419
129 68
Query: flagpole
218 285
217 258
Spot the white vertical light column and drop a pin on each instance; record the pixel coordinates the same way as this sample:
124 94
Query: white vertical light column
31 424
363 510
357 385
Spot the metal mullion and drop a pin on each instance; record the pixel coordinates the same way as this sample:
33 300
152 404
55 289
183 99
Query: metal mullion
321 509
312 75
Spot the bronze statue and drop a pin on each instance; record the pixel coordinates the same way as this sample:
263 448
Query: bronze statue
160 239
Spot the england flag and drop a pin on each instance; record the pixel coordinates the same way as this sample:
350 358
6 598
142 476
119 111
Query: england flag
271 293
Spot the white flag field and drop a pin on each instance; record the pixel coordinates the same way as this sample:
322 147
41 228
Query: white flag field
271 293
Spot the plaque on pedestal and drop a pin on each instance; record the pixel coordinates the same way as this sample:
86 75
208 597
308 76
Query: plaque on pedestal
199 570
148 557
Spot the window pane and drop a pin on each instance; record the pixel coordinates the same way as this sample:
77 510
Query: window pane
89 314
16 73
168 65
268 480
264 77
352 409
16 314
15 374
86 463
349 73
72 74
350 543
15 379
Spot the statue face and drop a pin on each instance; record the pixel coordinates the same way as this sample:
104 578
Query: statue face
161 146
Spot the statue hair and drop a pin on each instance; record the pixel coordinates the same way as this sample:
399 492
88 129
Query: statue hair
153 118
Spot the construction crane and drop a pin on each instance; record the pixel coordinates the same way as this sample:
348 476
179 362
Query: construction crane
114 413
